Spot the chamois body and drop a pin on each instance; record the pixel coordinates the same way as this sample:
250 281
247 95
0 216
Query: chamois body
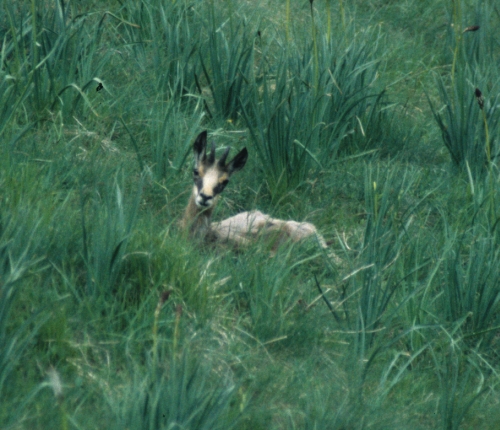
247 227
210 178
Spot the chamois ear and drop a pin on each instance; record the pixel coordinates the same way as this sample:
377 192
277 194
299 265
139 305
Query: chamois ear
238 162
200 146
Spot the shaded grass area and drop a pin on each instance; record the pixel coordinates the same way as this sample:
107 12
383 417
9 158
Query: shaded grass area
358 117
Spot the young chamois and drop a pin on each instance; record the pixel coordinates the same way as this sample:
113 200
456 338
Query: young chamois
210 178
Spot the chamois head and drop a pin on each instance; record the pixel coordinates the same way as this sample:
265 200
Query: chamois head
210 175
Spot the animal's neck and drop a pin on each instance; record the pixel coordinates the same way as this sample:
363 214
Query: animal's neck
196 220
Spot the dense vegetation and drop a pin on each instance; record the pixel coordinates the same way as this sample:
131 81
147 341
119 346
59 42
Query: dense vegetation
378 121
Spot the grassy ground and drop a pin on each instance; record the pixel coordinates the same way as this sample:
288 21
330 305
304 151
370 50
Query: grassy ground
361 117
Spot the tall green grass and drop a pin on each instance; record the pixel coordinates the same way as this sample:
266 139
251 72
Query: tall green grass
51 60
310 102
164 38
226 60
469 131
22 261
189 394
17 260
171 133
105 241
472 290
111 317
461 383
469 119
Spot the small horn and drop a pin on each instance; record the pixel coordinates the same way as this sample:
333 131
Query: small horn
211 157
222 160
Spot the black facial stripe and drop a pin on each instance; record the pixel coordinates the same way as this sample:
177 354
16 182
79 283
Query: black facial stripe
199 183
219 188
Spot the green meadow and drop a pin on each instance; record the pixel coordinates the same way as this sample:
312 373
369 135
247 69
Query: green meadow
377 121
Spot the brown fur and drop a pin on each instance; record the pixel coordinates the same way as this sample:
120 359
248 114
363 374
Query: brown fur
243 228
196 221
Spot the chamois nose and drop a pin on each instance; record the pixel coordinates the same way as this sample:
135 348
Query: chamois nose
204 200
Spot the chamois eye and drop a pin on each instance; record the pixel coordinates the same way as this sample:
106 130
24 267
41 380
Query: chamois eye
196 172
219 188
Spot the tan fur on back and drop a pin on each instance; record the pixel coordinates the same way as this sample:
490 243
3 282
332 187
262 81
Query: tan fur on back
246 227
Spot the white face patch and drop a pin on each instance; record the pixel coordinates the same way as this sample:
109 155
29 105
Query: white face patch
206 195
